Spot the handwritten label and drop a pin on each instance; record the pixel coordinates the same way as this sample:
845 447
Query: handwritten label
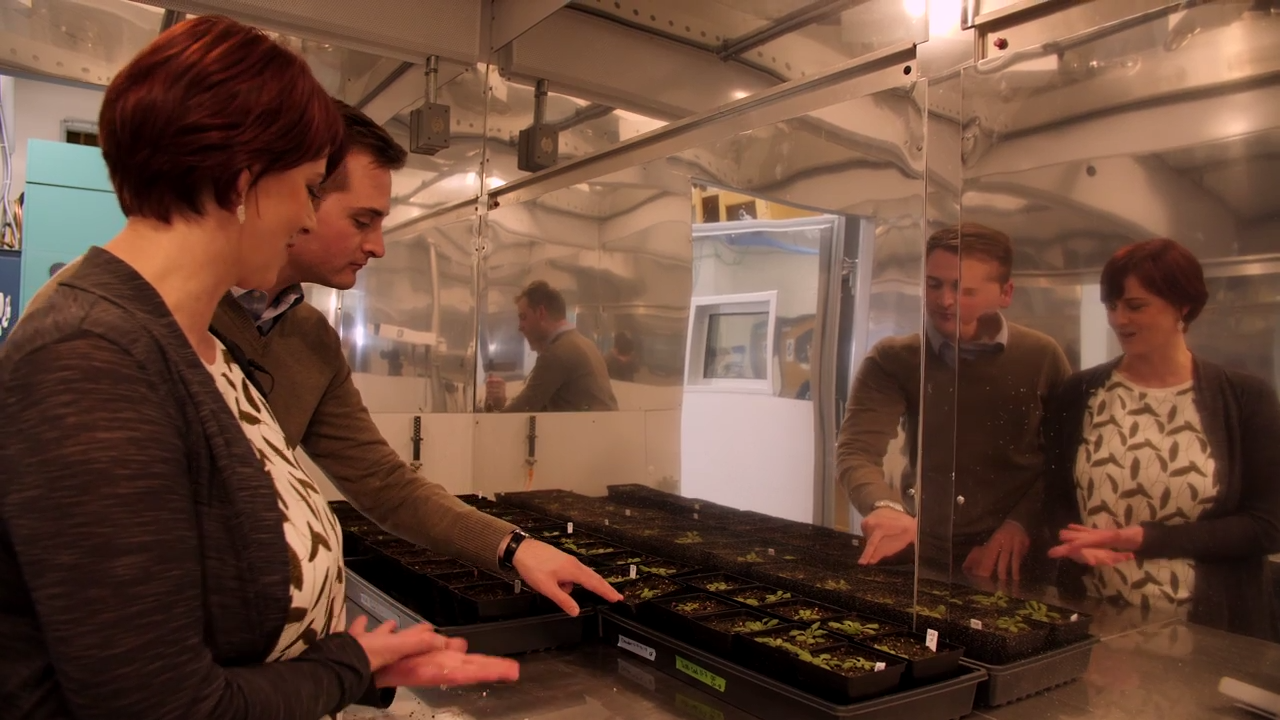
633 572
630 645
931 640
631 672
697 709
569 529
700 674
975 624
880 666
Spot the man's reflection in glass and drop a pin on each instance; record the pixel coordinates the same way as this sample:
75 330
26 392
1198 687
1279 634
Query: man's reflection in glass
569 376
986 382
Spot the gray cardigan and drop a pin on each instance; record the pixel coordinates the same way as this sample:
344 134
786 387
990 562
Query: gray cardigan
143 567
1230 541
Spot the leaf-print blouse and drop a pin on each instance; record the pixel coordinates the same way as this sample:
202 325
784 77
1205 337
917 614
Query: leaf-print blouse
1144 458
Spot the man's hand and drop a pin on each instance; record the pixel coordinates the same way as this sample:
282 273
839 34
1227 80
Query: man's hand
495 391
1002 554
554 573
887 532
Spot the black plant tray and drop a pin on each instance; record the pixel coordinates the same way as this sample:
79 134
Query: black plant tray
509 637
767 698
1015 681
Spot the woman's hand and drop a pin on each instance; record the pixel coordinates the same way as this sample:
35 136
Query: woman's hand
1098 546
448 667
384 646
418 657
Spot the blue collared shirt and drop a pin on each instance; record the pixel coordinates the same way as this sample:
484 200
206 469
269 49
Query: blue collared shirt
946 347
265 311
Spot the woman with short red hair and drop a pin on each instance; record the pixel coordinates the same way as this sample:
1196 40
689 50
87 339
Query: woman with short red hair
1164 465
162 553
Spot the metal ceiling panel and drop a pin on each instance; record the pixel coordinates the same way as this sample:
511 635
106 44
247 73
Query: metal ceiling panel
404 29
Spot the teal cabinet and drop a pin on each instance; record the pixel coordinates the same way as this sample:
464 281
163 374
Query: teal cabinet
69 206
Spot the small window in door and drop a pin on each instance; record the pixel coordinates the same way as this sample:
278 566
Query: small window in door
80 132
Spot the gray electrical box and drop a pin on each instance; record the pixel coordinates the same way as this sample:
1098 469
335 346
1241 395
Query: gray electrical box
539 148
429 129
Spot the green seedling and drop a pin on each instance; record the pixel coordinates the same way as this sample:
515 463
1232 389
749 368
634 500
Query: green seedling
649 594
810 635
752 557
601 550
757 625
717 586
834 585
854 627
1011 625
998 600
808 615
938 612
663 572
689 607
1039 611
689 538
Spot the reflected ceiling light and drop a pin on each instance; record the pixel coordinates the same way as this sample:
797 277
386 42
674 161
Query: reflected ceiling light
472 178
917 8
739 94
494 181
944 15
994 201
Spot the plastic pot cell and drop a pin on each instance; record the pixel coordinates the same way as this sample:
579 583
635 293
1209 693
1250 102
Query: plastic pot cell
923 664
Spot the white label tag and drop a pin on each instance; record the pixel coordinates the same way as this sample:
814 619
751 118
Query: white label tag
880 666
633 572
771 553
630 645
631 672
975 624
695 516
931 640
606 522
1075 617
480 495
518 586
570 529
628 513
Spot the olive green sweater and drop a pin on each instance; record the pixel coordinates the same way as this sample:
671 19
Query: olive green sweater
314 397
987 430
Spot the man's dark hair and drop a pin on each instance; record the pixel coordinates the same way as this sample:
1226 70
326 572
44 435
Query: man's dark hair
362 135
540 294
975 240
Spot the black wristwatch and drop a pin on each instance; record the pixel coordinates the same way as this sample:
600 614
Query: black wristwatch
507 561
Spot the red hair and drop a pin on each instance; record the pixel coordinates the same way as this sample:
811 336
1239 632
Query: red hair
205 101
1162 266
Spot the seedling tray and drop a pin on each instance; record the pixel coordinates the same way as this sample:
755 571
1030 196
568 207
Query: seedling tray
1009 683
764 697
510 637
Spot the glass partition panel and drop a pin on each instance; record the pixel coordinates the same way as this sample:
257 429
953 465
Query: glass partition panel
1082 153
408 326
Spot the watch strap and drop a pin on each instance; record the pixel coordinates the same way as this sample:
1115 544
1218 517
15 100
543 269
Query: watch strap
507 561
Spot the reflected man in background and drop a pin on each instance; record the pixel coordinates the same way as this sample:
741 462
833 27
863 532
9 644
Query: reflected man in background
622 361
985 397
570 374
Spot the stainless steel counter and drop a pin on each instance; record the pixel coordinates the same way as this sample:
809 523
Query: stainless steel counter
1153 667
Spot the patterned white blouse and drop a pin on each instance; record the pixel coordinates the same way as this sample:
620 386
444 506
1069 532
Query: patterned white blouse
1144 458
317 582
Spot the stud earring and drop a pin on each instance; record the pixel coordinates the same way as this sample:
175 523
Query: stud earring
1182 326
240 213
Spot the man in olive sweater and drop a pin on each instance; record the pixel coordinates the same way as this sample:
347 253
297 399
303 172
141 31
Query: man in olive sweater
984 398
313 394
570 374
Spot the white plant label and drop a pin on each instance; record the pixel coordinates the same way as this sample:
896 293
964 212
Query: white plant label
975 624
570 528
931 640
